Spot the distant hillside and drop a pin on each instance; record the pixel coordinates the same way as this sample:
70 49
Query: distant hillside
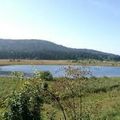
40 49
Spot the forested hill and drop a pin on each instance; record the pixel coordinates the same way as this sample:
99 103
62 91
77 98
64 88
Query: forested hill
40 49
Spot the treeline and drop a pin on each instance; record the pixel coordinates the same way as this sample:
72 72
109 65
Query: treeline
39 49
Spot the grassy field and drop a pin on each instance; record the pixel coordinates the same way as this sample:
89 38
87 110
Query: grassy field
59 62
33 62
100 101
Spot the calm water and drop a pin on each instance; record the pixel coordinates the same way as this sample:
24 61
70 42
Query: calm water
58 70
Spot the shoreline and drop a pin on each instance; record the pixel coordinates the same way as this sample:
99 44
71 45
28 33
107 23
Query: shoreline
4 62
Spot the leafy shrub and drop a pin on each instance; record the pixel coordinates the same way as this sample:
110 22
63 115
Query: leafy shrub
44 75
26 104
17 75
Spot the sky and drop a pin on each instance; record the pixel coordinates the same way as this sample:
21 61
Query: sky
92 24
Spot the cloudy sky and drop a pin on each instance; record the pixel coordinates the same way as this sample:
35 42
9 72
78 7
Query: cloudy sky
93 24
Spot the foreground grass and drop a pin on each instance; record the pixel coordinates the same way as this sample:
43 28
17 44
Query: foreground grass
59 62
101 99
7 87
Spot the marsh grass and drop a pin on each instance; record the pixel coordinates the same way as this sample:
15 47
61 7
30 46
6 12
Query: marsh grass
101 98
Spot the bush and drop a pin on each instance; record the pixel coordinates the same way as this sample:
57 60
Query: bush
26 104
46 75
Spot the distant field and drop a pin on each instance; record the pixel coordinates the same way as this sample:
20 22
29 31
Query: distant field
59 62
33 62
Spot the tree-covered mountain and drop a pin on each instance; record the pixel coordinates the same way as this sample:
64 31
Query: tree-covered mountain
40 49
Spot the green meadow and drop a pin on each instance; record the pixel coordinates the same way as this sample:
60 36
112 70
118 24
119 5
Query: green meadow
99 98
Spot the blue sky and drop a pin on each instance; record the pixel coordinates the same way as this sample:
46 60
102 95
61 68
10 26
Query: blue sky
92 24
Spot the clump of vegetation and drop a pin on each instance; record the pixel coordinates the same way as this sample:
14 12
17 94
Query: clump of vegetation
44 75
72 90
17 75
26 104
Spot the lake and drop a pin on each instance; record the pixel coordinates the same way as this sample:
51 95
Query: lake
58 70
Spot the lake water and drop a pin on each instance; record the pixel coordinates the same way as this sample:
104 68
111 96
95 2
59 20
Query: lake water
58 70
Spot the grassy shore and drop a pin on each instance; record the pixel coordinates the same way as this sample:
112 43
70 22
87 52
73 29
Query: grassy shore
59 62
100 102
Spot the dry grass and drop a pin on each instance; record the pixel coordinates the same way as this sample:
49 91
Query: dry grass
35 62
58 62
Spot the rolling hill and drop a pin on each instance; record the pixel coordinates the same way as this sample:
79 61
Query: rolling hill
41 49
